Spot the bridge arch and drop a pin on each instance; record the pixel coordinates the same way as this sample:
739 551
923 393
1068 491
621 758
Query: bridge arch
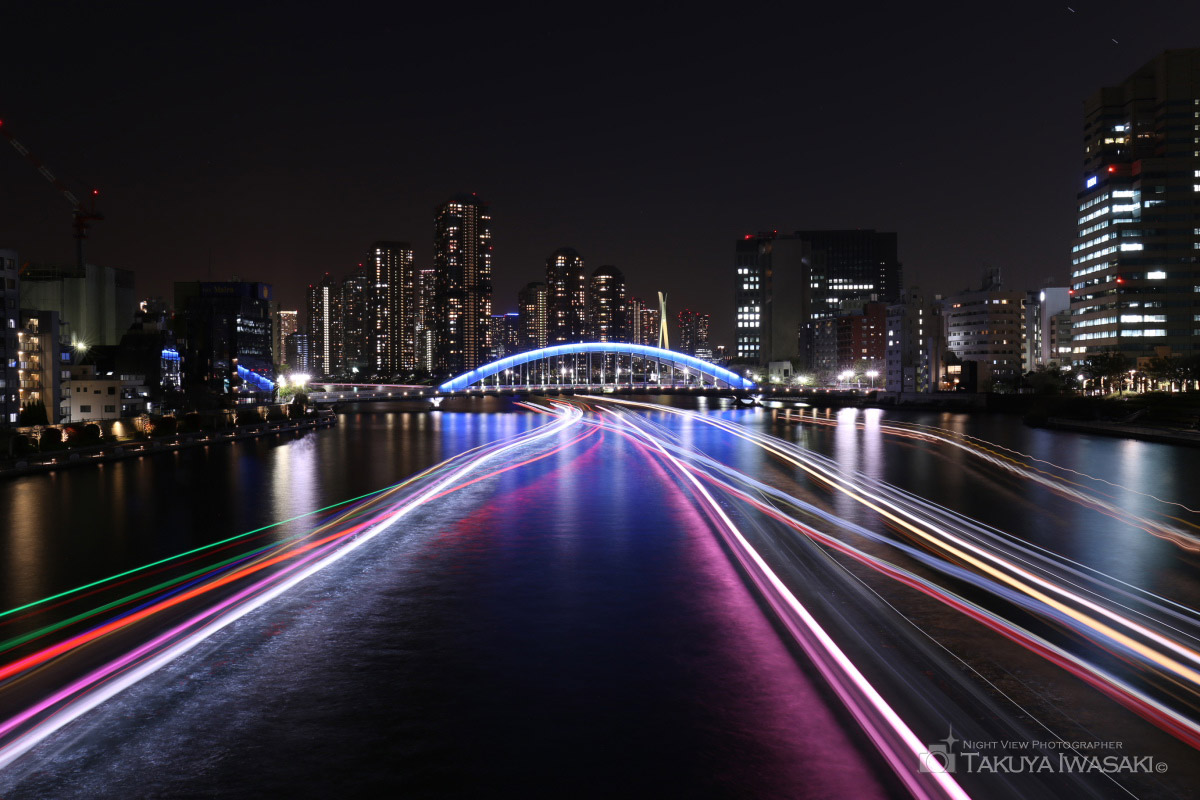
618 365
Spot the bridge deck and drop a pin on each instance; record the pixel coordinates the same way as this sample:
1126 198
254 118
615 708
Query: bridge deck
361 392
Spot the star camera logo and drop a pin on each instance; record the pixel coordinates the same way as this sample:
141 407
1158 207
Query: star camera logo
940 757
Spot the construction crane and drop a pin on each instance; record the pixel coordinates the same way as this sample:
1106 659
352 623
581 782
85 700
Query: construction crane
83 217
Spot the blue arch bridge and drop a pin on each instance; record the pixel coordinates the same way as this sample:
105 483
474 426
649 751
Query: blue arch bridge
577 368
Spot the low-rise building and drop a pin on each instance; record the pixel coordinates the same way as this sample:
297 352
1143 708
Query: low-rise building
987 326
854 335
10 382
91 396
1056 339
1041 307
780 372
914 343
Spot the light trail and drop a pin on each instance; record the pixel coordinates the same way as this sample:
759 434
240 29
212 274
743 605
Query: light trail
1157 677
196 553
994 565
39 720
988 451
985 567
113 579
895 741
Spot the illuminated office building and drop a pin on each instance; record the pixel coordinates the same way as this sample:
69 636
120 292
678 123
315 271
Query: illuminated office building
1135 261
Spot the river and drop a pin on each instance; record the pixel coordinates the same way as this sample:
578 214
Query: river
572 627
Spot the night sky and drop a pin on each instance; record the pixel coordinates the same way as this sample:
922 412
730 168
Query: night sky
277 145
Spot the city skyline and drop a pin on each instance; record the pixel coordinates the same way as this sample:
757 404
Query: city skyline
503 403
268 184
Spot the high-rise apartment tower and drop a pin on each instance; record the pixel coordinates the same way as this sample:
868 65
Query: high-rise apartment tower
566 301
462 259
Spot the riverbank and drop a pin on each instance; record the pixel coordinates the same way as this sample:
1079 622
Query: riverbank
136 448
1143 432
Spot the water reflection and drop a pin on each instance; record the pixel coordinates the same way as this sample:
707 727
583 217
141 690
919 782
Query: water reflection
545 605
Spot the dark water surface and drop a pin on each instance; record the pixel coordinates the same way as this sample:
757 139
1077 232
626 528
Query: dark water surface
570 628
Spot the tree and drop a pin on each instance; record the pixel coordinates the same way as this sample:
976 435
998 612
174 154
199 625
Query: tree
33 413
1048 380
1106 368
1189 372
1171 370
825 377
298 407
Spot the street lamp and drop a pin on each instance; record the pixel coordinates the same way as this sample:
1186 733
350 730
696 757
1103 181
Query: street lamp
845 376
872 374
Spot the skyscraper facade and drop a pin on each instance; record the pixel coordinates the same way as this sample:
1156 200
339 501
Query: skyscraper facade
1135 261
424 319
295 348
533 320
325 327
850 265
643 322
393 346
693 331
224 332
607 308
356 322
785 283
566 284
772 298
286 323
505 335
463 264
